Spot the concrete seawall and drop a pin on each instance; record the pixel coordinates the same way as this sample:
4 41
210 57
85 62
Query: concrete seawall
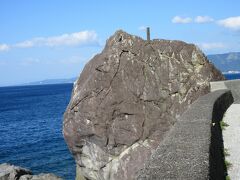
193 148
231 136
216 159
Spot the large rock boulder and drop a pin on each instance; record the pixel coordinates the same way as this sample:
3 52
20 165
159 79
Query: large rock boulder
127 98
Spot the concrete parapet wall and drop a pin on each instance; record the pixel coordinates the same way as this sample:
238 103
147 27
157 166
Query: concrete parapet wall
193 148
216 159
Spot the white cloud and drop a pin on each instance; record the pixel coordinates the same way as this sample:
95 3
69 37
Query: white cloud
203 19
181 20
25 44
231 23
4 47
73 39
142 28
211 46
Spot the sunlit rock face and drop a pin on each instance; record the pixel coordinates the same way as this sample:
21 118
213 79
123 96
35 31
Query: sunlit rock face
127 98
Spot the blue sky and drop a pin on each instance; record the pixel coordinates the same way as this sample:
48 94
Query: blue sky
54 39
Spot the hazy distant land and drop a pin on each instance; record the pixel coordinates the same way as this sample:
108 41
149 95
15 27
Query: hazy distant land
51 81
227 63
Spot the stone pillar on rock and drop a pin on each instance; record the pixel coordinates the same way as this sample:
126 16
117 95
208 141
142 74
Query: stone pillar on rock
148 34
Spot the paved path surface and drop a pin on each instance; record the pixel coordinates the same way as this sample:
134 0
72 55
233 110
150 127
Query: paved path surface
231 134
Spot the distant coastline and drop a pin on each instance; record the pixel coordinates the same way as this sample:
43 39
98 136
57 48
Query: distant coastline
46 82
231 72
228 75
51 81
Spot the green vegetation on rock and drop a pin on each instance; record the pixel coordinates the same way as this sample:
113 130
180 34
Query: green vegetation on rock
228 178
226 153
227 163
223 125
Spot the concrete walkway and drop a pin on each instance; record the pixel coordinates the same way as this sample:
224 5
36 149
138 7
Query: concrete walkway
231 134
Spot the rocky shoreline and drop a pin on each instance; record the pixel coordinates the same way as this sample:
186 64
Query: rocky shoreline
11 172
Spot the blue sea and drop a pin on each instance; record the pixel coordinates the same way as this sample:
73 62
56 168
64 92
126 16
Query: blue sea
31 128
232 76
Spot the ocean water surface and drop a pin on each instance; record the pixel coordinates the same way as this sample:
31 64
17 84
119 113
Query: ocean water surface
31 128
232 76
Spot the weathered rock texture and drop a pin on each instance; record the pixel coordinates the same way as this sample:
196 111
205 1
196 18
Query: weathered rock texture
11 172
127 98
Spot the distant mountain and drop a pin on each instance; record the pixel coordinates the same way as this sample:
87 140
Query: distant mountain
228 62
51 81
